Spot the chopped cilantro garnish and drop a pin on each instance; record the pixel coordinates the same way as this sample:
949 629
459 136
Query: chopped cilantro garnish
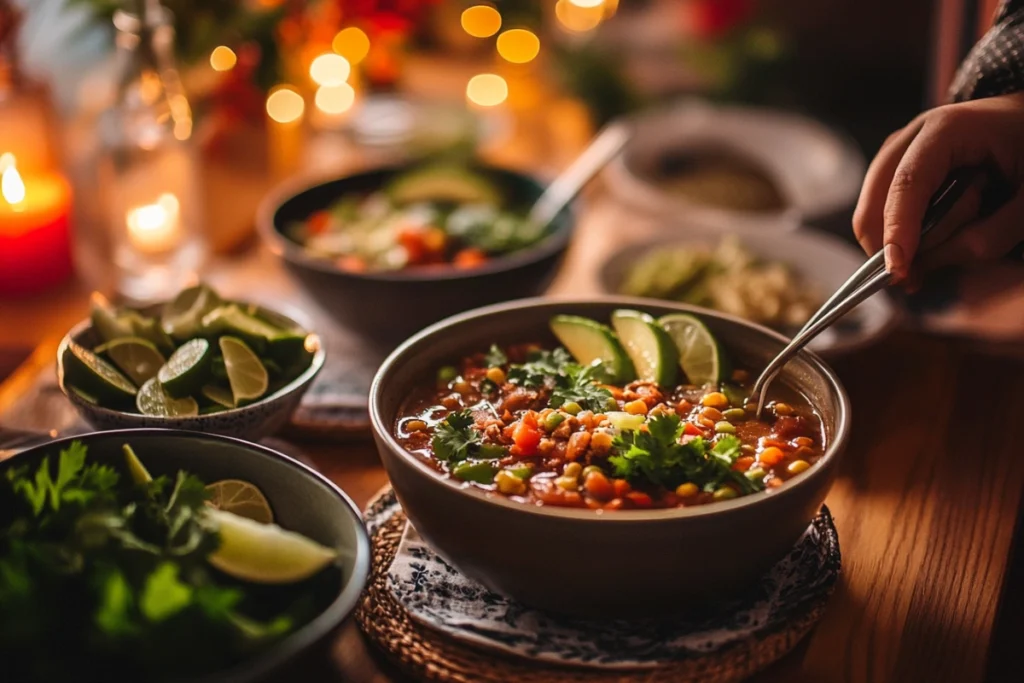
656 456
455 439
569 381
495 356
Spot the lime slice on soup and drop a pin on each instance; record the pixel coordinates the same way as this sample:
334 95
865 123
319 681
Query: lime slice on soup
246 374
652 351
187 369
94 376
265 553
183 316
135 357
154 400
700 356
588 340
240 498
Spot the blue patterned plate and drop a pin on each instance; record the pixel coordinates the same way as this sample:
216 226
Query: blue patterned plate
437 596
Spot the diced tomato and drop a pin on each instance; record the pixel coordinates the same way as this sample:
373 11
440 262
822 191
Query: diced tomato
318 222
692 429
743 464
621 487
352 263
411 239
640 499
435 240
470 257
526 435
598 486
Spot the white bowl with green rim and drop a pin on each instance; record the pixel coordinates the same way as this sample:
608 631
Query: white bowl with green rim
251 421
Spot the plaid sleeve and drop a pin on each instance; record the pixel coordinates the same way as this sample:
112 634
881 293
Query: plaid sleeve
995 66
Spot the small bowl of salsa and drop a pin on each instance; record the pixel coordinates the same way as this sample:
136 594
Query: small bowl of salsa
391 250
603 458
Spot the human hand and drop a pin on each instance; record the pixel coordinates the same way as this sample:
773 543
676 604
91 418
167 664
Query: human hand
914 161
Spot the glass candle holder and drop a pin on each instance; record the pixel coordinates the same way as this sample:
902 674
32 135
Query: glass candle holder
148 166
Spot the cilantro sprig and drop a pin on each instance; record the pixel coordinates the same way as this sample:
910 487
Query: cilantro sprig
656 456
568 381
455 439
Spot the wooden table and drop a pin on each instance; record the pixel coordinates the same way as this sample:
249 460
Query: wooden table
926 504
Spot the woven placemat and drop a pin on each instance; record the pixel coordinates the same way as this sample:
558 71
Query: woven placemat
427 654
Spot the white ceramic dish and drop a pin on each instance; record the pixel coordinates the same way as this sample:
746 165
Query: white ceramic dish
818 171
822 260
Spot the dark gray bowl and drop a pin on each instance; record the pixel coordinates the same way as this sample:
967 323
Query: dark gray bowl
389 306
594 563
302 500
252 422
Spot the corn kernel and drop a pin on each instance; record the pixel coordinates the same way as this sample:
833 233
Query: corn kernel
573 469
509 484
798 466
711 413
687 490
567 483
601 442
415 426
782 409
715 399
496 375
636 407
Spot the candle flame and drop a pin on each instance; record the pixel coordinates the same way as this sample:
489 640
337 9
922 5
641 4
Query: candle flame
12 187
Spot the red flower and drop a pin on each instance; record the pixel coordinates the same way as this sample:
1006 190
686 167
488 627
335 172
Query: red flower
710 19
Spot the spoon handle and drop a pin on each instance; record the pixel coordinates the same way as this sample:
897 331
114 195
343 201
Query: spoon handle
569 182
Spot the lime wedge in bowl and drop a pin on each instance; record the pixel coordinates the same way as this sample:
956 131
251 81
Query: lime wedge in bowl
240 498
107 322
89 373
700 355
219 395
183 316
155 401
135 357
246 374
188 369
265 553
651 349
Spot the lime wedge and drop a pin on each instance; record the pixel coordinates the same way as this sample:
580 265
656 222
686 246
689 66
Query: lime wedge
232 320
140 475
265 553
109 325
94 376
588 340
240 498
150 330
153 400
246 374
135 357
700 356
652 351
222 396
183 316
187 369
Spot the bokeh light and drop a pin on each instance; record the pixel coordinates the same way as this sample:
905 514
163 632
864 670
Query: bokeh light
487 90
576 18
285 105
587 3
223 58
352 43
481 21
518 45
329 69
335 99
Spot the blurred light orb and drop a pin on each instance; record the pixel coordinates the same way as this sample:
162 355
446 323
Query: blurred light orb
518 45
578 19
481 21
487 90
223 58
285 105
610 7
330 69
586 4
352 43
335 99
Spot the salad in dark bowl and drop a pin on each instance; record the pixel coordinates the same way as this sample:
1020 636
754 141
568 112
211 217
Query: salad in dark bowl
391 250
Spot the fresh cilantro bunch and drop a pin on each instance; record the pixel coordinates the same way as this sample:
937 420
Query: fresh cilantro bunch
104 576
568 381
455 439
657 457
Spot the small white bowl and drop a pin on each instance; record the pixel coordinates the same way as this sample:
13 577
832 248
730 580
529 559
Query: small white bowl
818 171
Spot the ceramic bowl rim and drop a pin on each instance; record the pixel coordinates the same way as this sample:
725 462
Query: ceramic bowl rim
316 364
382 430
284 248
339 608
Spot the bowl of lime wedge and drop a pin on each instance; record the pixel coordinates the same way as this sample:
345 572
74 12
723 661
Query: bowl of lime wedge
160 555
197 362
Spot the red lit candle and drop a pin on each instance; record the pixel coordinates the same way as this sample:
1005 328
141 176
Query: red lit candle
35 250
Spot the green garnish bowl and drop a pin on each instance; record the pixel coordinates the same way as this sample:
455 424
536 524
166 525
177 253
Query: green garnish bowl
251 421
389 305
302 500
603 563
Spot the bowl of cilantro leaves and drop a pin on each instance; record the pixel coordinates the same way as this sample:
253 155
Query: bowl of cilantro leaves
475 480
164 555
